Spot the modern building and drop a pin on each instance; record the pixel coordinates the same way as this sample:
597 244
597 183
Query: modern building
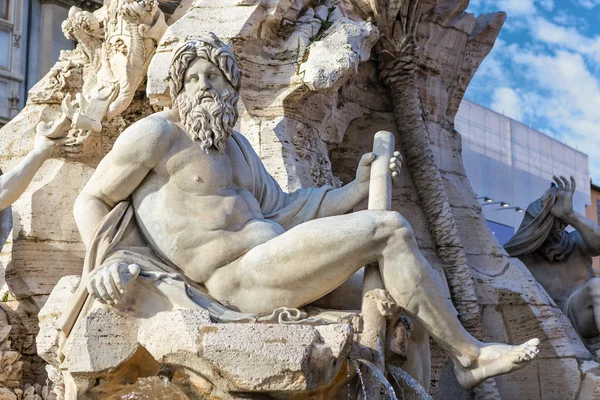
30 43
510 163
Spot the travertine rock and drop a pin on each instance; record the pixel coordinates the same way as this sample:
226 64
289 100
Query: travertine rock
234 357
331 60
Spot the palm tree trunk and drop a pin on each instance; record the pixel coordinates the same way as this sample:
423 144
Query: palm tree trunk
399 76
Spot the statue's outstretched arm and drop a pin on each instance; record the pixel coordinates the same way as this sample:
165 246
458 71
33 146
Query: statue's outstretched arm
15 181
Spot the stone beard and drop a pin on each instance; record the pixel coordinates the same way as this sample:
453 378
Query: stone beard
558 245
209 116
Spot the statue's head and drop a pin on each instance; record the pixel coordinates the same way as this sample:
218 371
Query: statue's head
204 84
541 232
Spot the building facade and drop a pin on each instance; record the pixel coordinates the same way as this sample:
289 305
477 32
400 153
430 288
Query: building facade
509 162
31 40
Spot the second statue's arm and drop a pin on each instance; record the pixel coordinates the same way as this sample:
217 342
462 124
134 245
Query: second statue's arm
587 231
14 183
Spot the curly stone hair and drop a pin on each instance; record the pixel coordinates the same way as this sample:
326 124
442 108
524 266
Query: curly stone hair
213 50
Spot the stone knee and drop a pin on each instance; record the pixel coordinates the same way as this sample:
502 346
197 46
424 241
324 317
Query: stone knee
392 224
592 291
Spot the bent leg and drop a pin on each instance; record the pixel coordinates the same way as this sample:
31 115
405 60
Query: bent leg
583 309
314 258
302 264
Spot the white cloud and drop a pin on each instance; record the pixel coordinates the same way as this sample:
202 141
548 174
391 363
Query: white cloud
589 3
506 101
568 38
564 18
548 78
517 7
565 95
547 5
514 8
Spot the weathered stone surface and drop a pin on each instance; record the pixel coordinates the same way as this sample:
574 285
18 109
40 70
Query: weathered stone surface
235 357
338 54
47 339
590 383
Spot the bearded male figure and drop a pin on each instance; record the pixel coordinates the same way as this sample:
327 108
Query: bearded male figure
206 206
561 261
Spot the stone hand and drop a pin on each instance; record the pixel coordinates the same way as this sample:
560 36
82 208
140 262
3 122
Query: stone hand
363 172
563 208
47 147
396 164
109 284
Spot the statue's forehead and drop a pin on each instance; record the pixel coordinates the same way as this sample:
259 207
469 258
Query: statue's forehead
201 64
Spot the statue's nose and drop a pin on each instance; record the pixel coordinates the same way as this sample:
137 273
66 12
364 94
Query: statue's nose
203 83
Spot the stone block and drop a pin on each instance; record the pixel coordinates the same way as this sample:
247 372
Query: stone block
549 324
559 381
234 357
37 266
590 384
522 384
47 339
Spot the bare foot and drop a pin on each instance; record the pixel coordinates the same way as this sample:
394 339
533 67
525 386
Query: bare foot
496 359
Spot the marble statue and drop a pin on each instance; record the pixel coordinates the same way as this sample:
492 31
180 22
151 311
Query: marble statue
183 197
561 261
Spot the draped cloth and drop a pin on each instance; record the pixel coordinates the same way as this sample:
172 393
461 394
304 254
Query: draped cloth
106 248
535 227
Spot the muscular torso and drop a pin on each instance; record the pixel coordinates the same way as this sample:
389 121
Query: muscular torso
194 209
560 279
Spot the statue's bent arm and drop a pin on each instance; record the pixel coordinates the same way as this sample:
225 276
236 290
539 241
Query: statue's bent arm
272 198
137 150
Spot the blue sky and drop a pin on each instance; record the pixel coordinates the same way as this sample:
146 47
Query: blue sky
545 70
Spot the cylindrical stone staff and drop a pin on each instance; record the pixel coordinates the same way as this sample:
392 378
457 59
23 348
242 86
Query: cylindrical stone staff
380 198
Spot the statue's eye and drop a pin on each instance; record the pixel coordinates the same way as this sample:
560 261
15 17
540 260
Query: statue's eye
212 76
194 79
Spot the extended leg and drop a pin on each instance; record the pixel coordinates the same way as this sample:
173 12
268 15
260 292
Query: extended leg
314 258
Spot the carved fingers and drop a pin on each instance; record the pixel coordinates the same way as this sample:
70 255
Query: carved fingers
396 164
565 184
363 172
109 284
366 159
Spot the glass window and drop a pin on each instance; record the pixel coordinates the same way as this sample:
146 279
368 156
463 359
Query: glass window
3 99
4 48
4 9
